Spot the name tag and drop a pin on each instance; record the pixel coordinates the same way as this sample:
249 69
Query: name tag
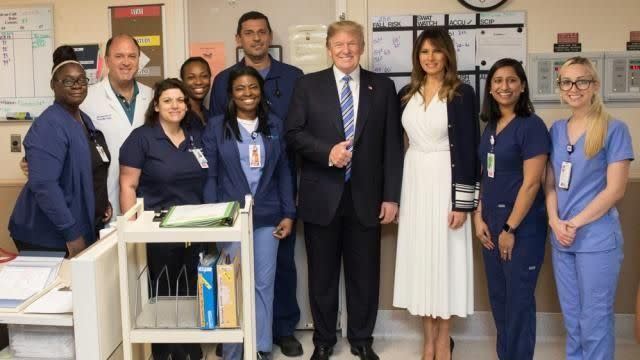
102 117
491 165
255 161
565 175
102 153
200 158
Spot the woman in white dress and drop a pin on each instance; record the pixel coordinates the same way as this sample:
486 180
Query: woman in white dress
434 263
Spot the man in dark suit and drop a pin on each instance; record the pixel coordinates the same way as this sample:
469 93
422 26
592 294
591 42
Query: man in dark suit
344 122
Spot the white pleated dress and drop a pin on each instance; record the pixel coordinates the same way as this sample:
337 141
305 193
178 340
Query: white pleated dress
434 264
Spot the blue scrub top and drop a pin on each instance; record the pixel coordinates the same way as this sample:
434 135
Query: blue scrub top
57 204
523 138
588 179
253 174
170 175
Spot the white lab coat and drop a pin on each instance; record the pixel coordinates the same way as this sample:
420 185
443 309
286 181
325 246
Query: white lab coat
108 116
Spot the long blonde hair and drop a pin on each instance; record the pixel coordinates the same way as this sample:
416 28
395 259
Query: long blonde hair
440 39
597 116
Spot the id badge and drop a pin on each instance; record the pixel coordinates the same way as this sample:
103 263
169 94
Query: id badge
254 156
200 158
491 164
565 175
102 153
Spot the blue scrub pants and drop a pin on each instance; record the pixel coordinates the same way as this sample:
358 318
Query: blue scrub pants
265 251
587 283
286 312
512 286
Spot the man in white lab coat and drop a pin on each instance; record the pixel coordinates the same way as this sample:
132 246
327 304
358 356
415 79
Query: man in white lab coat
117 103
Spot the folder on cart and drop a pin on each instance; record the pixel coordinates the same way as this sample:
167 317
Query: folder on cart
204 215
229 290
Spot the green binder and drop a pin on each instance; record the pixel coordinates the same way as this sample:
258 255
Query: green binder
204 215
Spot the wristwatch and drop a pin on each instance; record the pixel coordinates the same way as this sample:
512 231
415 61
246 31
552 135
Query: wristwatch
508 229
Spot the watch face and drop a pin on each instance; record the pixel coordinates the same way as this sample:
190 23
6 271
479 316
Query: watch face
482 5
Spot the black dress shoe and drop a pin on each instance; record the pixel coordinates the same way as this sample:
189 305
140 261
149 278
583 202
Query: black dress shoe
289 345
322 352
364 352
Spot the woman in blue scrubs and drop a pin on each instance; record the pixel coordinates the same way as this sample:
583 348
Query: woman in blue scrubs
196 77
64 202
590 157
247 155
511 222
159 163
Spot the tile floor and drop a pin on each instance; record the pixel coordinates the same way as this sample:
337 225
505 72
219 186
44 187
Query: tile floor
466 348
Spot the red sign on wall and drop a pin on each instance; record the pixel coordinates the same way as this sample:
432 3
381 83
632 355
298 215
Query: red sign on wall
126 12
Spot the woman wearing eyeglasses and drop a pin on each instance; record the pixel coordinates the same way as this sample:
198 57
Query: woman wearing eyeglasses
65 201
587 175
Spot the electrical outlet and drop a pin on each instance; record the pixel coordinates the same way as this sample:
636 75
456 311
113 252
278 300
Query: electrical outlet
16 143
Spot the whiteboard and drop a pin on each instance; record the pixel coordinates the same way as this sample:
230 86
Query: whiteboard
26 47
479 40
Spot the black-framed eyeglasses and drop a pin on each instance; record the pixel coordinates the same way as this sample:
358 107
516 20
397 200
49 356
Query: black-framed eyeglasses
70 82
581 84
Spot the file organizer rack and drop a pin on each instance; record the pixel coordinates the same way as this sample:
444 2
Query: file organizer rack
136 227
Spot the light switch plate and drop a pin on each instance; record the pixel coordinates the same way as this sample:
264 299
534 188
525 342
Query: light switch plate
16 143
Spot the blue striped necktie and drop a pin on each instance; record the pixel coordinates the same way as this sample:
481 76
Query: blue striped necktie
346 106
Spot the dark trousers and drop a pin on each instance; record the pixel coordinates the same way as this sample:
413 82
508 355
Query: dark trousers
174 256
345 238
286 312
512 286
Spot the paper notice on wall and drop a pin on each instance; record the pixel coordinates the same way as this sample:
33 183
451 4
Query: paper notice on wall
498 43
308 47
88 55
213 52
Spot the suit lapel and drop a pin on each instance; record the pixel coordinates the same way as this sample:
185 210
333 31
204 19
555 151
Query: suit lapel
114 103
330 89
364 102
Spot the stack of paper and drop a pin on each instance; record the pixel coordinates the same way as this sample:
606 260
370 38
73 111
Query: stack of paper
26 276
205 215
58 300
41 342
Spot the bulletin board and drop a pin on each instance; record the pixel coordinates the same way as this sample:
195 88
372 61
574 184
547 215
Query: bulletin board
26 48
146 24
479 38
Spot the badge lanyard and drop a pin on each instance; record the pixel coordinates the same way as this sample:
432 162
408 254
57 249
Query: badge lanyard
200 158
255 160
491 157
565 168
99 148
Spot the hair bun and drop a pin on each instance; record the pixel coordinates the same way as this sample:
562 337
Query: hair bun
63 53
